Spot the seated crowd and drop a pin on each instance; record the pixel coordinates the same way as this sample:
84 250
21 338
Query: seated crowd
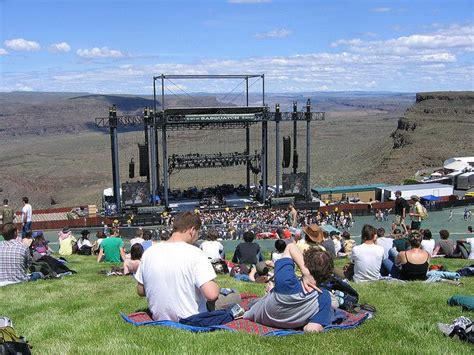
178 274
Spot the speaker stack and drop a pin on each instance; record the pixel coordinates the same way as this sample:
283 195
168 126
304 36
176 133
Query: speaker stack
286 151
143 157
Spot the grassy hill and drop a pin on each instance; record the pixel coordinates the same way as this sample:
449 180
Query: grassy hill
80 314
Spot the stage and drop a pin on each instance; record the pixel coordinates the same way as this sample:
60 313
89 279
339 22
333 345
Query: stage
232 201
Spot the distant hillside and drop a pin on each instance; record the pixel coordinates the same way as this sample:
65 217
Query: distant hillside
41 114
440 125
124 103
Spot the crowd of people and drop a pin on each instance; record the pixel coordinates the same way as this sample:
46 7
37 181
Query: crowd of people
177 273
231 224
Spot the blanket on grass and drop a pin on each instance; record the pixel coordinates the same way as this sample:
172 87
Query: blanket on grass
341 320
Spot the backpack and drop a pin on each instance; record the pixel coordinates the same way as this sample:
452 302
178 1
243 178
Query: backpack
423 212
347 296
11 342
8 215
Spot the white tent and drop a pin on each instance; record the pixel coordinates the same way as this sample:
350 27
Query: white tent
467 160
457 165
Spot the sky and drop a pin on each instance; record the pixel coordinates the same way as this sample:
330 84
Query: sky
110 46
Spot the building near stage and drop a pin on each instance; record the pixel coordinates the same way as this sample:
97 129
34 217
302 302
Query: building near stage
355 193
420 190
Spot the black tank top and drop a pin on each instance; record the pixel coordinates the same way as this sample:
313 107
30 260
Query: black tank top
411 272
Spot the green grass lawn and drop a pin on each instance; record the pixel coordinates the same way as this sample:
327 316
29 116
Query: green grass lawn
80 314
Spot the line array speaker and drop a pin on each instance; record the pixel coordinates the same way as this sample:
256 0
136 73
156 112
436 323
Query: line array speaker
131 169
143 157
286 151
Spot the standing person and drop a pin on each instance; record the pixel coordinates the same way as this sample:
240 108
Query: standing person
415 212
292 216
111 248
15 257
8 214
451 214
26 217
368 256
176 277
401 207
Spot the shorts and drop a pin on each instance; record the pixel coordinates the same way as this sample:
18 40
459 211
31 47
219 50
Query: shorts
399 220
415 225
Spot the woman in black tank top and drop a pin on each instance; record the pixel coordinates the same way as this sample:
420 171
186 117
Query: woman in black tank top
414 263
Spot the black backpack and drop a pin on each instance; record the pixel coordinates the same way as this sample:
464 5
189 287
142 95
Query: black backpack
350 297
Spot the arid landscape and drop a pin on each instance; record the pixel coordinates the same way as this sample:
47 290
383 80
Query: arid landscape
51 149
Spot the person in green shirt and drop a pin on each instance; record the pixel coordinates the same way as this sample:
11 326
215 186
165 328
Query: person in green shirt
111 249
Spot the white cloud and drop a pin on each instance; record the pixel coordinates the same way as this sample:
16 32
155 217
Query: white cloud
59 47
97 52
20 44
409 63
247 1
381 9
459 38
278 33
3 52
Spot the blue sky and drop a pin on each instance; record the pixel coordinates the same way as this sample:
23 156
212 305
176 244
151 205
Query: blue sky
107 46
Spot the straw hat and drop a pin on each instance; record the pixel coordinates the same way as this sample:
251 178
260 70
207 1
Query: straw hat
314 233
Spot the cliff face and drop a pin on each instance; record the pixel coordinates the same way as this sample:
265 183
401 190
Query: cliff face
440 125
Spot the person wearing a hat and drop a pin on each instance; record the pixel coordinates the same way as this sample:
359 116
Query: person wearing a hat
66 242
415 212
314 236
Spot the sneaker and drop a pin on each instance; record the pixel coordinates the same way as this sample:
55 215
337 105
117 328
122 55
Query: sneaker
462 322
237 311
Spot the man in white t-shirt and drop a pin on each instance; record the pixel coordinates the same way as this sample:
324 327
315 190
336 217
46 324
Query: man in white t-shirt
385 242
176 277
26 217
211 247
368 256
